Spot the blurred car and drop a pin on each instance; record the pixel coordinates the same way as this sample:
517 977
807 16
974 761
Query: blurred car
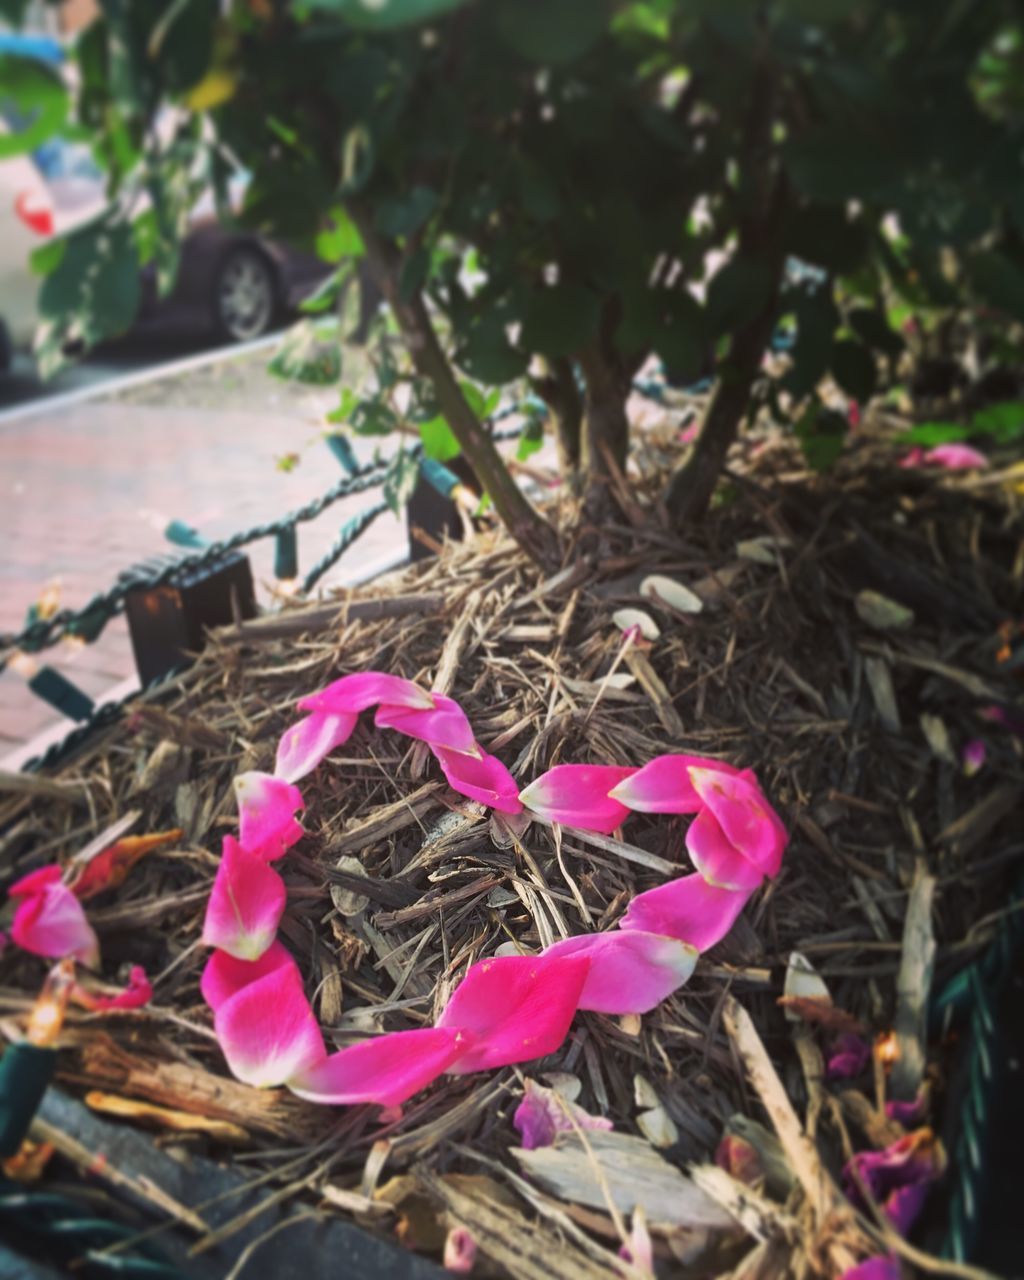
233 284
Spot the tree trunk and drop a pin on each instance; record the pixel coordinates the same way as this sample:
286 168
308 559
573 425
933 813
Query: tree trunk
604 439
557 388
529 529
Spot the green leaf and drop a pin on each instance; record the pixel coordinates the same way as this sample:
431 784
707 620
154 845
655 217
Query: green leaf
341 240
932 433
33 95
531 438
326 294
853 367
1004 421
439 440
400 481
384 15
403 217
551 32
414 273
346 406
485 353
999 280
822 434
309 353
46 259
737 291
816 321
373 418
560 320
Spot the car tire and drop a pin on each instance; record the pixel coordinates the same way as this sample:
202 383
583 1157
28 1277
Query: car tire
6 350
245 294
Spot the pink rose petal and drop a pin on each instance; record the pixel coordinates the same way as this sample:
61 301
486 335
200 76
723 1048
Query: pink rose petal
460 1250
267 826
914 458
881 1267
50 921
135 995
956 457
750 823
245 906
224 975
515 1007
386 1070
716 858
443 725
542 1114
663 785
306 744
268 1032
354 693
629 972
689 908
482 778
974 755
577 796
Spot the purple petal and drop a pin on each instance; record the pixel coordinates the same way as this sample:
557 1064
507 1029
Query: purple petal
878 1268
689 909
630 972
974 756
849 1056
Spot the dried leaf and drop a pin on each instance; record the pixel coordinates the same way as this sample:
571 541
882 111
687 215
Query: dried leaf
880 612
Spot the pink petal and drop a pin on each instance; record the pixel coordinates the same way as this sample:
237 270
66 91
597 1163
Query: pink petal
577 796
306 744
914 458
137 993
482 778
459 1251
36 881
515 1007
718 860
51 922
224 976
267 826
663 785
444 725
689 908
878 1268
848 1057
387 1070
956 457
245 905
908 1114
746 817
267 1031
629 972
974 755
362 689
542 1114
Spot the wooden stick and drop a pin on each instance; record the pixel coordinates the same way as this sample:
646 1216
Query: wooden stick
278 626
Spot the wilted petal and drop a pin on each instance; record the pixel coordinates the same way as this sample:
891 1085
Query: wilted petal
638 1250
849 1056
577 796
268 1032
974 755
224 976
629 972
910 1113
543 1113
306 744
718 860
663 785
50 921
386 1070
459 1251
109 869
689 908
515 1007
137 993
748 820
482 778
267 825
245 906
354 693
914 458
897 1177
878 1268
443 725
956 457
740 1159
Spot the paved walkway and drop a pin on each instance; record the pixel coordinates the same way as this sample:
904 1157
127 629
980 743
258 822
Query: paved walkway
86 492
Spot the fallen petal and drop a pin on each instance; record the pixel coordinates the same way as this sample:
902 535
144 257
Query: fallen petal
386 1070
443 725
741 1159
974 755
137 993
956 457
50 921
362 689
267 1031
109 869
663 785
716 858
689 909
267 826
245 905
306 744
878 1268
482 778
459 1251
36 881
577 796
545 1112
850 1055
898 1177
748 820
515 1007
630 972
224 976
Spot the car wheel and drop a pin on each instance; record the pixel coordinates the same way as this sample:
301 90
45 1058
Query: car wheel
244 295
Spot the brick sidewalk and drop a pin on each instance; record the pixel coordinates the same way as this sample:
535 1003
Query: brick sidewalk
85 493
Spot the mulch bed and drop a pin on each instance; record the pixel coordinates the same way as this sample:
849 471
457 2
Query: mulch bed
855 733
